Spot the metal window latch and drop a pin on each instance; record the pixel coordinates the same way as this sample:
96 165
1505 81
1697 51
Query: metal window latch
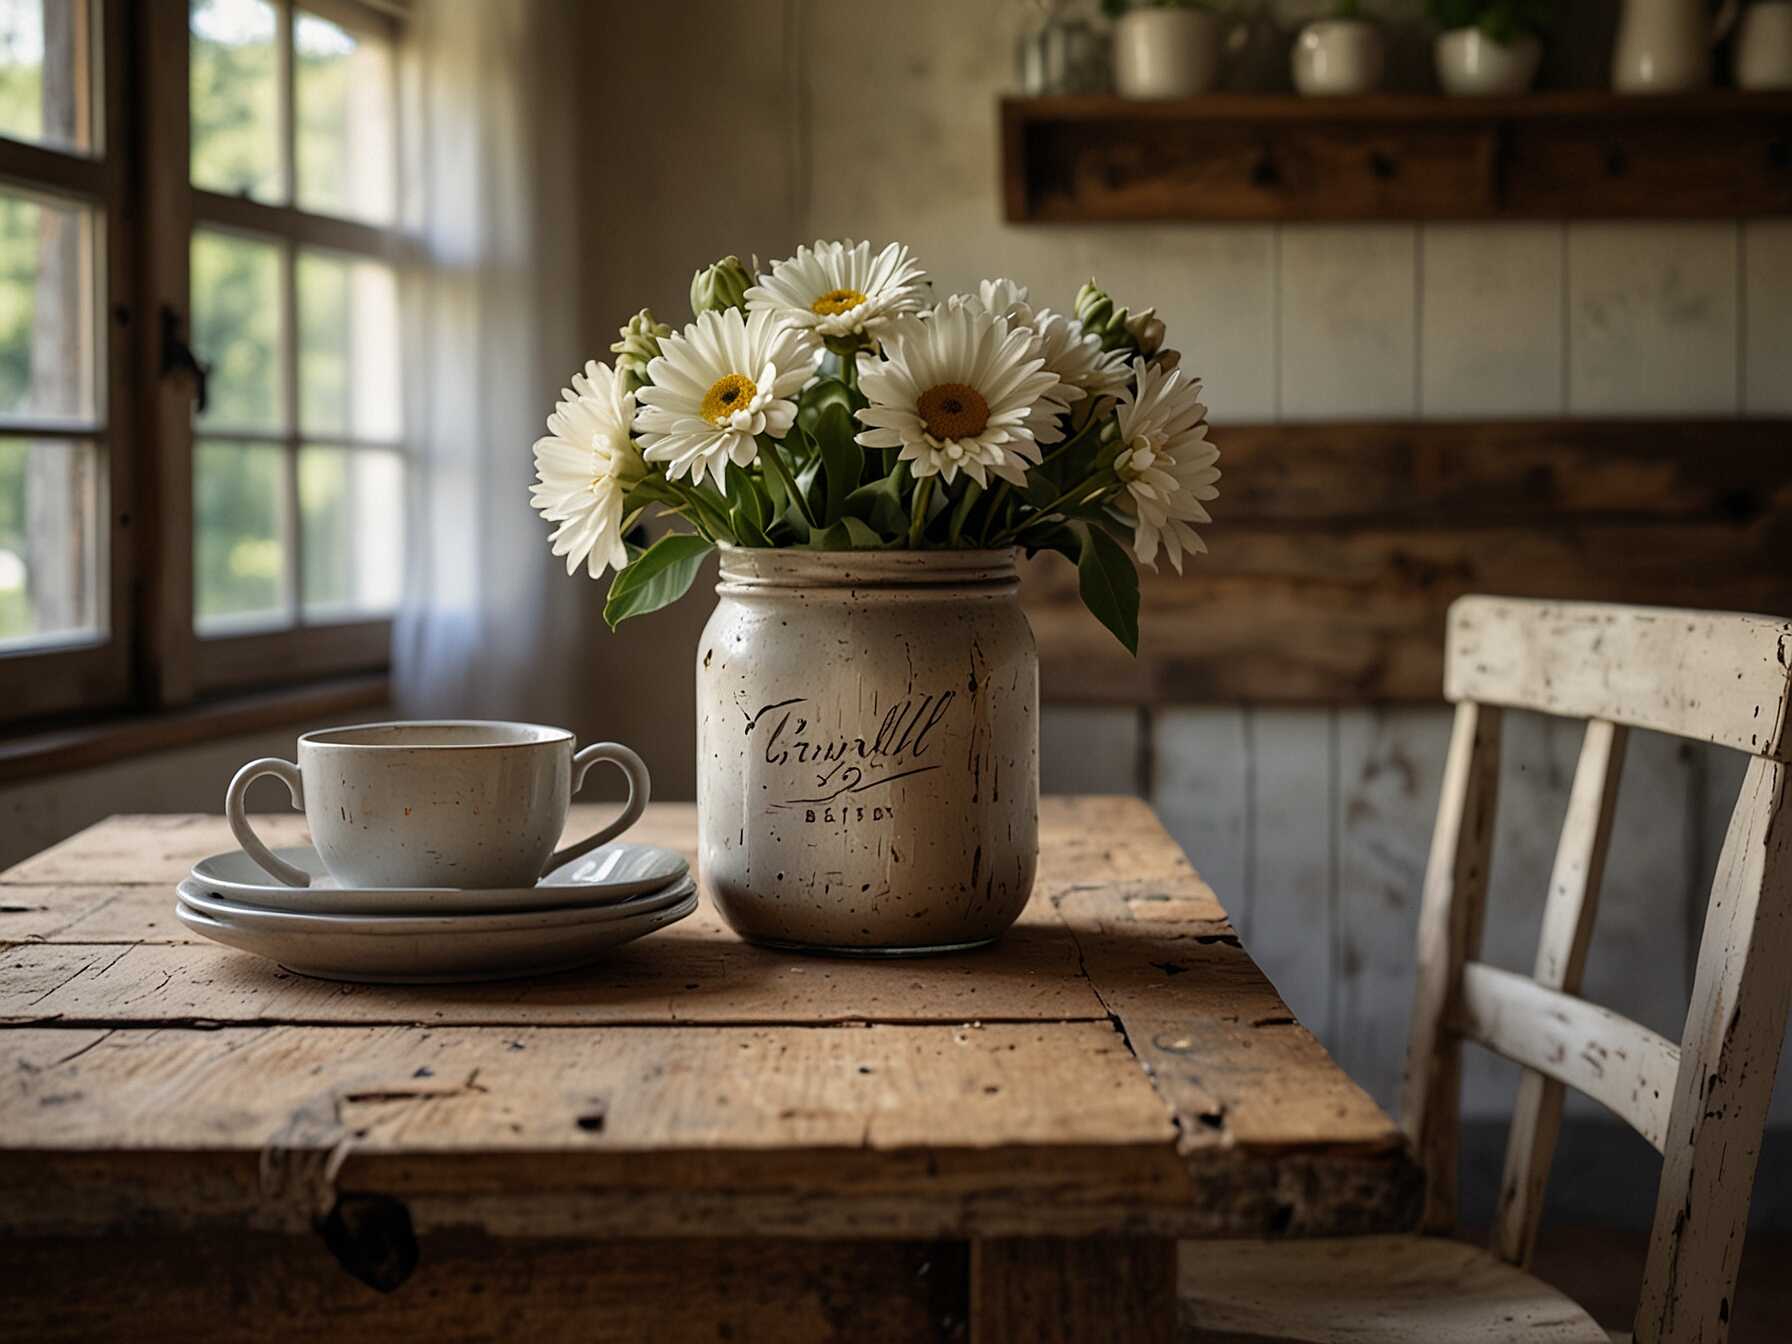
178 357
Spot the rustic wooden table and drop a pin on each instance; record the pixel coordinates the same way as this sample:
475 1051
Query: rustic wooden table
693 1139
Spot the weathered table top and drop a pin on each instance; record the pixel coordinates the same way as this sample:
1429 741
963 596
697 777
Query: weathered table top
1116 1064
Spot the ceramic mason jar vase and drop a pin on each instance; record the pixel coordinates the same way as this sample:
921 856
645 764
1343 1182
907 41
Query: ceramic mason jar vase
868 748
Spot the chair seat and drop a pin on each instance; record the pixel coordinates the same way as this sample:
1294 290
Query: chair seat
1353 1290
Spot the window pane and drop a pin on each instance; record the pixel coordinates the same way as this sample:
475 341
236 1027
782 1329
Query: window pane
49 543
240 571
47 309
238 328
234 87
345 90
44 47
348 347
351 503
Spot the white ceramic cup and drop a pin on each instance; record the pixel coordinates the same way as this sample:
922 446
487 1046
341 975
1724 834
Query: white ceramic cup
1764 47
1338 57
452 803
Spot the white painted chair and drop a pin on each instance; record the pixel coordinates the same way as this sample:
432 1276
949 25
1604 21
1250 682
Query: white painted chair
1712 676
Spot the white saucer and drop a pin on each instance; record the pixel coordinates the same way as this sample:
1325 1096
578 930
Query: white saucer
608 874
370 949
448 924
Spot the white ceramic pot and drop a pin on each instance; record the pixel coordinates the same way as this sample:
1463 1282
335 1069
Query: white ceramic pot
1664 46
1166 52
1471 64
1764 47
1339 56
868 749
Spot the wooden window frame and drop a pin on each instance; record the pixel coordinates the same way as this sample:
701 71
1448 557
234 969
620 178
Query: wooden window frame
95 674
138 178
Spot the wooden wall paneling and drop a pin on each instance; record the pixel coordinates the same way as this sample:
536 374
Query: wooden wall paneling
1652 323
1089 749
1766 317
1347 308
1292 867
1201 764
1390 772
1490 319
1340 548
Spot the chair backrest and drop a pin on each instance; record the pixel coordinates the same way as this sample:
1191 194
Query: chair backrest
1713 676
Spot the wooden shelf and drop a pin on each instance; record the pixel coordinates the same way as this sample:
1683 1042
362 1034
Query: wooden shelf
1337 549
1721 154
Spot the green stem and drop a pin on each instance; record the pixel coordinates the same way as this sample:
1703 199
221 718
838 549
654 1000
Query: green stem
918 519
702 512
1007 535
768 449
992 511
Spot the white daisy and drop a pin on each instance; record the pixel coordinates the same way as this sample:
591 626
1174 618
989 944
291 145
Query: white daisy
956 393
1166 464
840 289
715 387
585 466
1084 369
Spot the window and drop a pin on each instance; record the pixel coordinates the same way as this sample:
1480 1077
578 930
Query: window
202 456
65 449
298 462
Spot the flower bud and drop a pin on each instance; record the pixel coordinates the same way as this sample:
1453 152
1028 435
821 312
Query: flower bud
720 287
1166 360
1147 331
639 345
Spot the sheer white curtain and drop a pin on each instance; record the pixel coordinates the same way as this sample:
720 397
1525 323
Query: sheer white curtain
489 626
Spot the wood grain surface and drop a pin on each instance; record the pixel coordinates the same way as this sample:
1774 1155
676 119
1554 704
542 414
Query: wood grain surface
1117 1064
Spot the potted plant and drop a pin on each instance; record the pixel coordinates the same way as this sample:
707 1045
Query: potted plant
1342 54
868 462
1164 48
1489 47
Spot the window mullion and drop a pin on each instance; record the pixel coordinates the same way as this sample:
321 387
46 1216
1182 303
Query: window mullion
163 311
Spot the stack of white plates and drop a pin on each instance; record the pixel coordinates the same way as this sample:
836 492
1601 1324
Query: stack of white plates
425 935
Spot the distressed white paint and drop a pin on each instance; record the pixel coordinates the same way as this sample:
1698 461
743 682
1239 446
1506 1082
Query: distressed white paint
1089 749
1490 320
1292 860
1767 317
1201 782
1347 319
1652 318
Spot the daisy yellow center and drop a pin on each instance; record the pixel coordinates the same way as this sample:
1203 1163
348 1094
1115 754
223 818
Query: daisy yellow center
726 396
837 301
953 411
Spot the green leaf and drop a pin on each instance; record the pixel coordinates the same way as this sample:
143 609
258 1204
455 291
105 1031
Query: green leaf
813 404
880 505
1109 584
746 531
842 459
860 535
655 577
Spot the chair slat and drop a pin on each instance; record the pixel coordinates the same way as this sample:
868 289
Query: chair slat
1619 1063
1716 676
1568 916
1450 920
1730 1051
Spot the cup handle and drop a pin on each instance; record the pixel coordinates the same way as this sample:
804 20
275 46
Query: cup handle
265 859
639 783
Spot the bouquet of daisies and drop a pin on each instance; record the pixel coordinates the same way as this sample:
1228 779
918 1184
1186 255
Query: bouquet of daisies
834 404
